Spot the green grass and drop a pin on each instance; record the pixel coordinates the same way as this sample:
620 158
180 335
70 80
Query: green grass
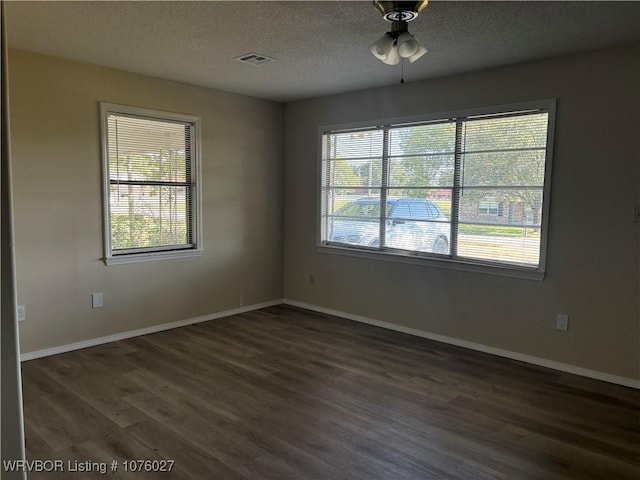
141 231
498 230
445 206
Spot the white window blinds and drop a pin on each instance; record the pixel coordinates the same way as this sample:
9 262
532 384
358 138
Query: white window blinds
464 188
151 183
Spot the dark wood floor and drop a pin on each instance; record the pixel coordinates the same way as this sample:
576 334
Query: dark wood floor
283 393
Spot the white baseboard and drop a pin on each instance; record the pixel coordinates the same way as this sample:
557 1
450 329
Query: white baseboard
563 367
143 331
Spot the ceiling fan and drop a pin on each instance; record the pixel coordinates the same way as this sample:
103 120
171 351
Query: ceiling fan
398 43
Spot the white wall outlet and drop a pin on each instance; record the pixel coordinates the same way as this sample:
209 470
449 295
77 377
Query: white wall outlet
22 313
96 300
562 322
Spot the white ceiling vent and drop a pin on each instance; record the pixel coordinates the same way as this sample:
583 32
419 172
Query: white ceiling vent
255 59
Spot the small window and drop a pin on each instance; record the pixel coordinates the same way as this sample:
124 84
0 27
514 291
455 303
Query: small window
477 184
419 211
434 212
401 211
488 208
151 184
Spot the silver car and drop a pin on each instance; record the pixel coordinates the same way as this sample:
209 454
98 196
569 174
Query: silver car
411 224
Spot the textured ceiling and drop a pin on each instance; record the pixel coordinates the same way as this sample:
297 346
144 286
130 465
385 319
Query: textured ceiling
321 47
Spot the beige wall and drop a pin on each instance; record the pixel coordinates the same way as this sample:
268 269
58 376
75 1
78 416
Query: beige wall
593 256
58 209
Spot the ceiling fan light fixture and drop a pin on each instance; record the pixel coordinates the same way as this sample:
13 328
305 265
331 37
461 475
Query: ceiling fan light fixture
398 43
419 53
393 58
407 45
382 47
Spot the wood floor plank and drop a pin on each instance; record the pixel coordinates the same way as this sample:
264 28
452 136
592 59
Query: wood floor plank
284 393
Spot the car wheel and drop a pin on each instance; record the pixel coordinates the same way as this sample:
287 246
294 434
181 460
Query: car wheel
441 246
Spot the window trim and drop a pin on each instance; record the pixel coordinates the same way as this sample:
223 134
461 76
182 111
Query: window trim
151 253
463 264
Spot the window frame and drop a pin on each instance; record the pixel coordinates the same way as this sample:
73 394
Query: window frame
440 261
146 254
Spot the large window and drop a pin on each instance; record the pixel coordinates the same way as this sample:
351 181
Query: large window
466 189
151 184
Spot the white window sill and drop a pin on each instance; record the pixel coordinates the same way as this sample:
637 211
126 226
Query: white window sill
448 263
151 256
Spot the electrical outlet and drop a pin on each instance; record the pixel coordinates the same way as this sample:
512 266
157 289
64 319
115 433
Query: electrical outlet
562 322
22 313
96 300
